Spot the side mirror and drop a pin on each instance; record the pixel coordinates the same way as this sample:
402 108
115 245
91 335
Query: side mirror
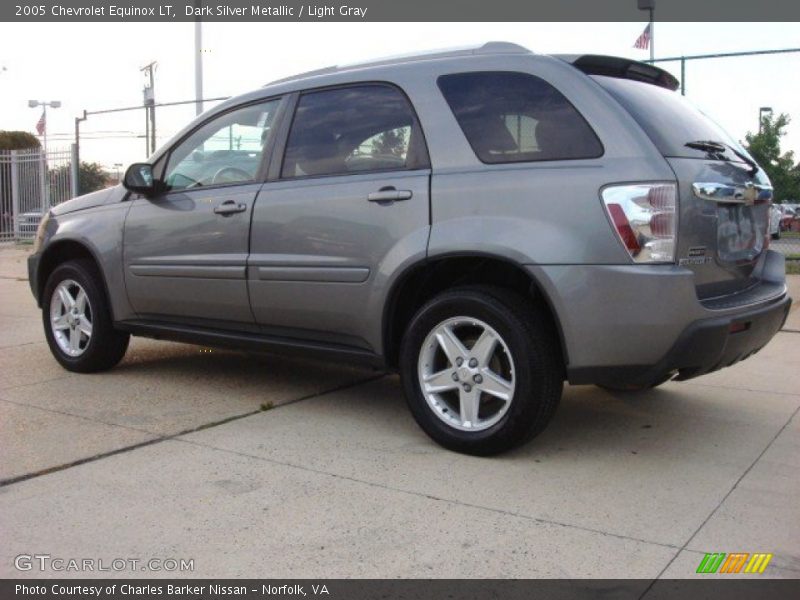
139 179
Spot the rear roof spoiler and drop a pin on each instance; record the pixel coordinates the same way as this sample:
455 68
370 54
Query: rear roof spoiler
623 68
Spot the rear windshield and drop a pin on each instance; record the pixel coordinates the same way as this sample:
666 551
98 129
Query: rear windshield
668 118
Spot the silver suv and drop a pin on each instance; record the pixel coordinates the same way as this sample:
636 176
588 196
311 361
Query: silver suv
490 222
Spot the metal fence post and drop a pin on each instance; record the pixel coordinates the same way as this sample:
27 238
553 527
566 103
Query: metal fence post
15 193
74 171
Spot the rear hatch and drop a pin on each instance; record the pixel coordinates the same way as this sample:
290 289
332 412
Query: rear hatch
724 197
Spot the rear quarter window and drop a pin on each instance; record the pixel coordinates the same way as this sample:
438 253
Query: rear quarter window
516 117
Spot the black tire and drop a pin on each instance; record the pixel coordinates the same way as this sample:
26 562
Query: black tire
532 342
106 346
777 235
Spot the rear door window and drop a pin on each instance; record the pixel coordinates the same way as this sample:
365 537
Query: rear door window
356 129
517 117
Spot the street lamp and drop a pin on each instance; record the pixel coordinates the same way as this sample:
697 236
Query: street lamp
44 105
761 112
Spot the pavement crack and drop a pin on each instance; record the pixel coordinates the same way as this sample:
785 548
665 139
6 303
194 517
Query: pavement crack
742 389
31 383
162 438
721 502
498 511
69 414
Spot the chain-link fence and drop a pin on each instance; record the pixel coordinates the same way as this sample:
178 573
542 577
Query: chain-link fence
31 181
786 235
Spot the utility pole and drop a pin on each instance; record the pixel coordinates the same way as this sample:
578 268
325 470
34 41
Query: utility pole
76 157
764 110
198 64
149 106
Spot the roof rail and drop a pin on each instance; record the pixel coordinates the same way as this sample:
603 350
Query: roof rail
487 48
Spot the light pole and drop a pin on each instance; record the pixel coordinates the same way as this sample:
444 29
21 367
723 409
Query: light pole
650 7
198 65
150 106
44 105
764 110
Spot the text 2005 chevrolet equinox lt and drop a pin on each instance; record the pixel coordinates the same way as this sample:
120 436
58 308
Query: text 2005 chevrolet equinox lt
490 222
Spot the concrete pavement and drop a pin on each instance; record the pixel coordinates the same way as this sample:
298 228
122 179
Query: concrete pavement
184 453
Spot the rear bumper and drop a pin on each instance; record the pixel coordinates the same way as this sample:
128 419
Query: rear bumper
704 346
638 324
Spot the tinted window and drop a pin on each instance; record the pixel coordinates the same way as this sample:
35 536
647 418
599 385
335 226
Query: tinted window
352 130
667 117
515 117
227 149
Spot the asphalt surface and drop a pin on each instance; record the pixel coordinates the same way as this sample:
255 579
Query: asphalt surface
264 466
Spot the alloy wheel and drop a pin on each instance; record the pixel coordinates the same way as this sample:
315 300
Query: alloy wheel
466 374
71 318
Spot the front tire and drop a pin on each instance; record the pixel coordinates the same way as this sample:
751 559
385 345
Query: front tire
77 319
481 369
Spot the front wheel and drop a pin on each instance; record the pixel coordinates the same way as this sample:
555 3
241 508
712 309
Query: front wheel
481 369
77 319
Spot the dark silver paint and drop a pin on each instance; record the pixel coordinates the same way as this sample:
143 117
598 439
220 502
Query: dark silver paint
316 259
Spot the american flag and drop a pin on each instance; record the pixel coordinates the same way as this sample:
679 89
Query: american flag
643 41
41 125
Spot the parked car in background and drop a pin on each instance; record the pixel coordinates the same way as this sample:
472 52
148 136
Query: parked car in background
29 223
488 222
787 217
775 215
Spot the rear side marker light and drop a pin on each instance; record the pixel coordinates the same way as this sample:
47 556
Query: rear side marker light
644 216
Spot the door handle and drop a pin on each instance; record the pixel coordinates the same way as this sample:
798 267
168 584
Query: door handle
389 194
229 207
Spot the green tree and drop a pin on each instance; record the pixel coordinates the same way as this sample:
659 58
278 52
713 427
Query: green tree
18 140
765 147
91 176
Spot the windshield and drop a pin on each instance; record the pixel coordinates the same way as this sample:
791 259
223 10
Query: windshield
668 118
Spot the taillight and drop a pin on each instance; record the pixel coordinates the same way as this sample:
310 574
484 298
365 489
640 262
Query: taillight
644 217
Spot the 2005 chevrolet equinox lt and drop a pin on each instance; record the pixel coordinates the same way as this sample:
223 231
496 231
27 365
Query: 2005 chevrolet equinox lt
490 222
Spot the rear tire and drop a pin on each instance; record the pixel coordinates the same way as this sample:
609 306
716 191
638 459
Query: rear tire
495 340
77 319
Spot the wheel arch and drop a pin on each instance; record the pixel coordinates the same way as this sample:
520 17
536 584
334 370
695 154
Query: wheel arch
61 251
424 279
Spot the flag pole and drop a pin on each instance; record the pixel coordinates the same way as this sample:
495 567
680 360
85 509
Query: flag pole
652 35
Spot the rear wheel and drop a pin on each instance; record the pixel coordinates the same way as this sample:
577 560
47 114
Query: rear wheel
481 369
77 319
